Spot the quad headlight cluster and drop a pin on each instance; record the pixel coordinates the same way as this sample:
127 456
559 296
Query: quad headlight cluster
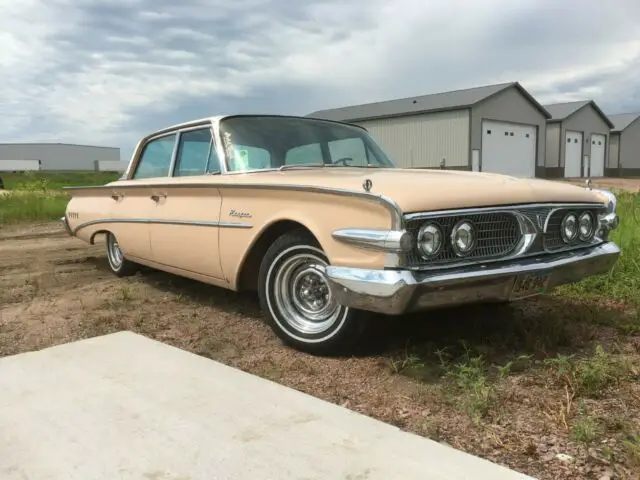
431 238
574 226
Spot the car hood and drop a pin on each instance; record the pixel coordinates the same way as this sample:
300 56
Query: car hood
418 190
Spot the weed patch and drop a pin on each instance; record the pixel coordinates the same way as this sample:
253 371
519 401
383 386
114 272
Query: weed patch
590 376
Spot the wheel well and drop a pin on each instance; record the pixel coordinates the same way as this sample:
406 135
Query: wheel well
93 236
248 278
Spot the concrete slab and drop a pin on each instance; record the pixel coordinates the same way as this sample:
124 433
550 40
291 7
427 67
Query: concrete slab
123 406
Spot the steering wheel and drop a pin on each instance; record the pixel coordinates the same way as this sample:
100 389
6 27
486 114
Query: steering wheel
344 161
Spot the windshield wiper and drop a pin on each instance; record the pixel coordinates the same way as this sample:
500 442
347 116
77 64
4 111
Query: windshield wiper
307 165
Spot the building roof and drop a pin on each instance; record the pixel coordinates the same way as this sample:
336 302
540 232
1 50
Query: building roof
32 144
561 111
452 100
622 120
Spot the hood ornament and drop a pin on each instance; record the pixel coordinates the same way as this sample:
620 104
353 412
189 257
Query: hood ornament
367 184
587 183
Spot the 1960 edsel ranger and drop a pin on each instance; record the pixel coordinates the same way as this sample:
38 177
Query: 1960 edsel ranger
314 216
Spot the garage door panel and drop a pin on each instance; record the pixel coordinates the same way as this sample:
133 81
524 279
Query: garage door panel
598 146
573 154
509 148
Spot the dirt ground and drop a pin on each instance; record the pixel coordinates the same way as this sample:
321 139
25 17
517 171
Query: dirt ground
55 289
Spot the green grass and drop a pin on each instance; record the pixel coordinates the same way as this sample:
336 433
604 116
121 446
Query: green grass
55 180
622 283
38 196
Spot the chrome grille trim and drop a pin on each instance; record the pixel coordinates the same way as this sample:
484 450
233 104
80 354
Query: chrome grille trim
534 236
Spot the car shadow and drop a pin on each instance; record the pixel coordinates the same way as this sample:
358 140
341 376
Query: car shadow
538 327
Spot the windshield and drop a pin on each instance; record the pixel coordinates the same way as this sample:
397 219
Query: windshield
257 143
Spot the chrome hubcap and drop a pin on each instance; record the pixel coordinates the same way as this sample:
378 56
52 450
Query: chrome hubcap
115 254
303 296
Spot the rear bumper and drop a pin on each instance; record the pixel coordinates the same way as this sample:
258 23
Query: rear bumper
66 226
399 291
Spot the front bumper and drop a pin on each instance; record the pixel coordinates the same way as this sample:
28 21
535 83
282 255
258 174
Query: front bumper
396 292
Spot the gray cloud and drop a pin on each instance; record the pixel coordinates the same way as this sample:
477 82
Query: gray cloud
107 71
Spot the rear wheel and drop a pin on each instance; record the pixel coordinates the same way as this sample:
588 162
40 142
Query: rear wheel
297 302
117 263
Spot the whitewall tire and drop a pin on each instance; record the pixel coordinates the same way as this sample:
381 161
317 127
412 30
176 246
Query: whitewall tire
118 264
297 302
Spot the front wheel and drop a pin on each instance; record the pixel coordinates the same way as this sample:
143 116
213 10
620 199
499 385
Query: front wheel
297 302
117 263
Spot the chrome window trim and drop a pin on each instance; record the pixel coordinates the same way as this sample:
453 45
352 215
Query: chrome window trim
140 149
174 130
195 223
174 154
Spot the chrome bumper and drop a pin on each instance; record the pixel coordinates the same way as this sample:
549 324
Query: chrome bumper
66 226
395 292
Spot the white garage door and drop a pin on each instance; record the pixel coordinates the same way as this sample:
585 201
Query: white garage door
573 155
597 155
509 149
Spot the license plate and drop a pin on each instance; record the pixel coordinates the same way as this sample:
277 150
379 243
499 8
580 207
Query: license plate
529 285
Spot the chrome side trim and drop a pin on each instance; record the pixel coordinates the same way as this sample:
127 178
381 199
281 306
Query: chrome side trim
396 292
397 221
384 240
154 221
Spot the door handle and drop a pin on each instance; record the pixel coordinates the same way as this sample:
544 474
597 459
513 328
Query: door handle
156 197
116 196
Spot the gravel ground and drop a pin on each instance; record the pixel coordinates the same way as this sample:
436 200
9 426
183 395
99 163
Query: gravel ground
421 373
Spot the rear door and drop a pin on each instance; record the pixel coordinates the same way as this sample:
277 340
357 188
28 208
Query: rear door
132 206
185 217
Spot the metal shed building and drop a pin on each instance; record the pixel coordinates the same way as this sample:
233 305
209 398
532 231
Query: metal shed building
577 140
59 156
495 128
624 146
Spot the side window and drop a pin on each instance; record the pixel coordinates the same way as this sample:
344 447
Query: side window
250 158
352 149
155 160
311 153
193 152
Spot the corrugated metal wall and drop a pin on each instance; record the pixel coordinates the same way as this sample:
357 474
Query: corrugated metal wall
56 156
614 150
424 140
552 152
630 146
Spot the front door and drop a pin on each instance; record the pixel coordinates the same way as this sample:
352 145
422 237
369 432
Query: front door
184 220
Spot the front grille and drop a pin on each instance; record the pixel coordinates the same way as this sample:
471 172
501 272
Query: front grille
497 234
553 240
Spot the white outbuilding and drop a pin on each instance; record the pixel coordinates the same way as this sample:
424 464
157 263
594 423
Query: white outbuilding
624 147
577 140
495 128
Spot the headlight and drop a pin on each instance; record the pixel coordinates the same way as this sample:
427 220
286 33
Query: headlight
569 227
429 239
463 237
585 226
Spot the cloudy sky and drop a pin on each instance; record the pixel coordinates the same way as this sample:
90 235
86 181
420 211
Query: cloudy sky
107 71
